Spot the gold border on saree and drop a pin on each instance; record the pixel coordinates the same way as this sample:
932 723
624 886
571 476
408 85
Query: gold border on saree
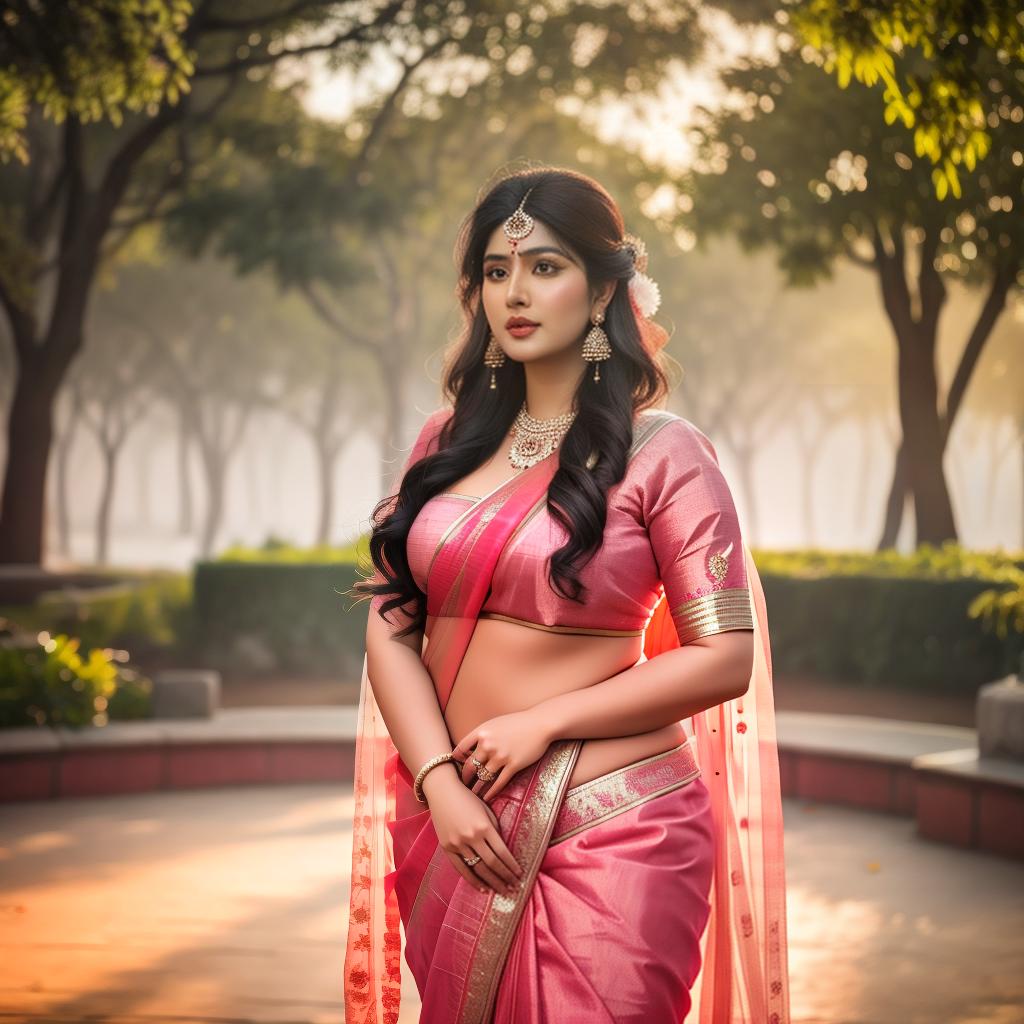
587 631
503 913
614 793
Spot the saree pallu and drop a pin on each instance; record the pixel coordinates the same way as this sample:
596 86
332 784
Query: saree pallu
488 958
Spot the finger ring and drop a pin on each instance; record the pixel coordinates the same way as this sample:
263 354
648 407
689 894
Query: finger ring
479 764
470 861
485 774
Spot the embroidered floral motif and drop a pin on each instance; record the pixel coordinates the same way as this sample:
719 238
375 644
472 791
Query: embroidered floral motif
718 566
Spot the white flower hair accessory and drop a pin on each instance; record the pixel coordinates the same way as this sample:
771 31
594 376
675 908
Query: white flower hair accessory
644 294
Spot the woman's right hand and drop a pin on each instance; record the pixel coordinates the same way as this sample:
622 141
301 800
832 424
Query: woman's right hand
467 827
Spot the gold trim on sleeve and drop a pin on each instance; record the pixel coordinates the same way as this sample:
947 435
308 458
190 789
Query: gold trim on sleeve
716 612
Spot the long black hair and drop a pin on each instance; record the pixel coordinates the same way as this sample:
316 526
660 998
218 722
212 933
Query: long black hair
581 213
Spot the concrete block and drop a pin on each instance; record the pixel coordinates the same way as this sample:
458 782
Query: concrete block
1000 719
186 693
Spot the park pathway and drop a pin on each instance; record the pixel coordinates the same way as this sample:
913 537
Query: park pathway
228 906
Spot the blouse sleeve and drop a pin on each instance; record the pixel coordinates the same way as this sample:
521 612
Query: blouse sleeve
694 532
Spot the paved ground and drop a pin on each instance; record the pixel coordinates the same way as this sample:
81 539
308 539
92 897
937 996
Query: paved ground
227 906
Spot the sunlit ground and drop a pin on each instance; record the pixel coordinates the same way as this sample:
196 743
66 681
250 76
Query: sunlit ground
229 905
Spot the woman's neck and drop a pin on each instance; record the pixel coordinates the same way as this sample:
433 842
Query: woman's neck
551 388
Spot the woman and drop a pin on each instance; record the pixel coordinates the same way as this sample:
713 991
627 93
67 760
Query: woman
566 786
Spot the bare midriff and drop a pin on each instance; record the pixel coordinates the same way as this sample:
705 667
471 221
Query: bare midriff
510 667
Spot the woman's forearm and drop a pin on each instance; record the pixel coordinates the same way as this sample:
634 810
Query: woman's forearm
670 687
405 694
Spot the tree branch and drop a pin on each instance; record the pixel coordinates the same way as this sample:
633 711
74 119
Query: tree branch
261 21
354 34
994 302
329 317
387 108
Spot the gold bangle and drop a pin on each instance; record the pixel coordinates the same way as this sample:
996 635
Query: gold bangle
417 786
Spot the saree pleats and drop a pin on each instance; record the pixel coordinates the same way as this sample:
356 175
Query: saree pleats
611 933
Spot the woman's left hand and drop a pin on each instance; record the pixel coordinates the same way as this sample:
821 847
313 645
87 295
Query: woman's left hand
504 745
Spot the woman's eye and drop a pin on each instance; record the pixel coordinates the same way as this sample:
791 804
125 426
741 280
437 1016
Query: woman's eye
552 267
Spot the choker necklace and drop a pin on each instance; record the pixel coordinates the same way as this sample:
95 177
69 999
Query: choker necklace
534 440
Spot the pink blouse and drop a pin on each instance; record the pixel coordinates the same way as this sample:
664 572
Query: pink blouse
671 524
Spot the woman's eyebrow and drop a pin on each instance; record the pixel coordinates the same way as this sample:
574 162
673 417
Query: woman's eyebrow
497 256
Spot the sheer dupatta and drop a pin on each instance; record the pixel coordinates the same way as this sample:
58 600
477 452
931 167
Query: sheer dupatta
744 970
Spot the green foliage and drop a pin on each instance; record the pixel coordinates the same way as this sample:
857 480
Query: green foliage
814 171
949 561
92 60
46 681
904 621
929 59
149 613
275 550
898 620
281 613
999 609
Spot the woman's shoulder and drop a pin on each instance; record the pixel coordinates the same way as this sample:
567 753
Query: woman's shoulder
667 435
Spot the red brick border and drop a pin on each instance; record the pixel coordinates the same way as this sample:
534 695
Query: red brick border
968 812
116 770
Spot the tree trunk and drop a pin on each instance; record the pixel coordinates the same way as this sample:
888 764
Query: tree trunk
864 464
143 476
326 460
29 438
924 438
213 466
65 440
44 355
185 501
918 470
110 453
745 461
895 504
394 424
811 450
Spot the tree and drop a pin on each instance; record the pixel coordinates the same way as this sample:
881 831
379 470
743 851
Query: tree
373 264
930 58
813 171
89 183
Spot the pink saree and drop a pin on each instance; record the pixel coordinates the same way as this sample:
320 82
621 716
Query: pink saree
653 887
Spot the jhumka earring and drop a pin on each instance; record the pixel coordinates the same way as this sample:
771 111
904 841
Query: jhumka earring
596 347
494 357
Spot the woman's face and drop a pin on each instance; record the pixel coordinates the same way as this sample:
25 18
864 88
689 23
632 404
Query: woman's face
543 282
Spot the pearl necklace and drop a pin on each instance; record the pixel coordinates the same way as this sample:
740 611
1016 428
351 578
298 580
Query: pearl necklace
534 440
